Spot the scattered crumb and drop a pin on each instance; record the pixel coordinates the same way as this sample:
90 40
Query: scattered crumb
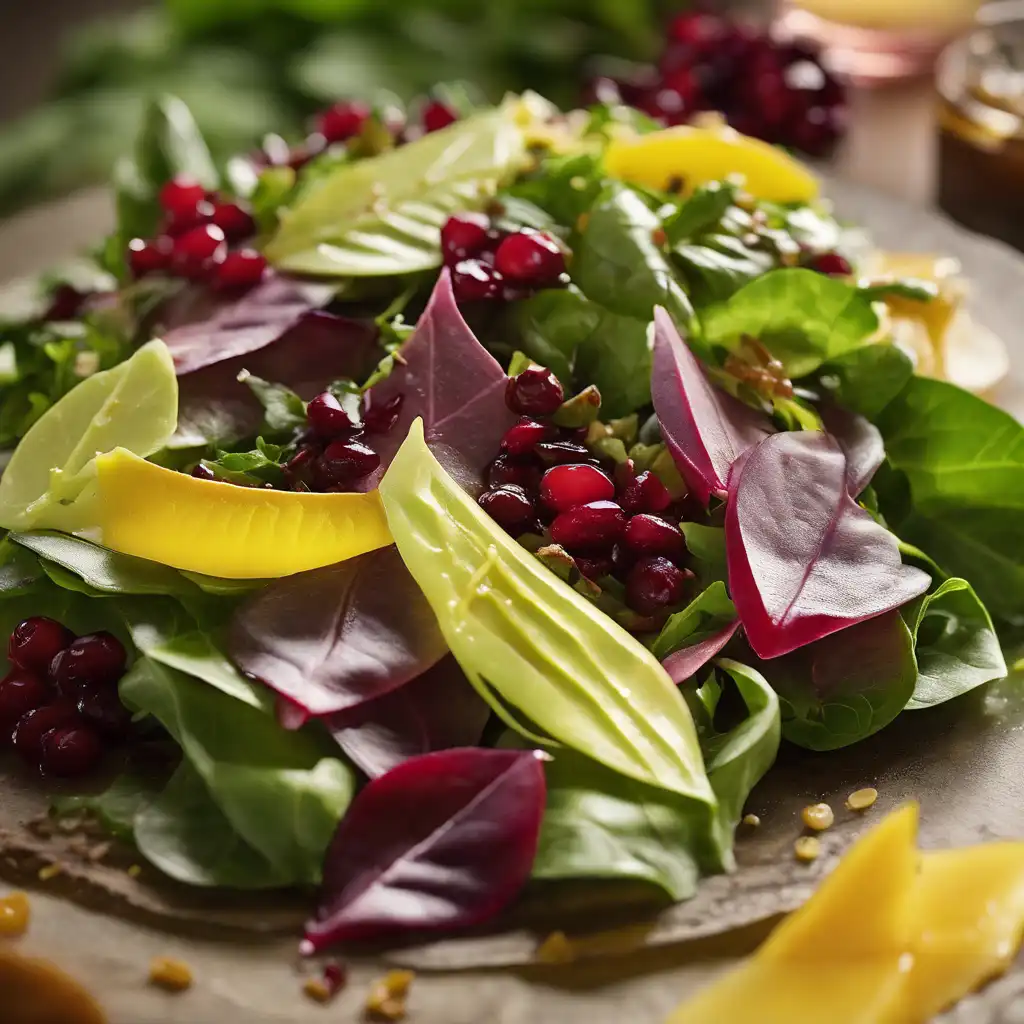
170 974
751 820
99 851
388 996
80 845
134 871
50 871
70 824
44 827
317 990
15 914
328 985
807 848
862 799
818 817
659 238
555 949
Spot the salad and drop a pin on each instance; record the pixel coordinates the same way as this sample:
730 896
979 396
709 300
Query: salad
439 515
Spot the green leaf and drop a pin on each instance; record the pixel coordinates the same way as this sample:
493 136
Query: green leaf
719 266
283 410
867 379
707 613
116 807
956 645
803 317
548 327
19 570
383 215
703 210
529 642
905 288
707 545
963 462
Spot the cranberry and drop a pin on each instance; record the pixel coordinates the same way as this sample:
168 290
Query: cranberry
525 436
523 472
36 641
817 131
327 418
103 710
70 751
594 568
234 220
33 726
474 281
833 264
343 120
438 115
646 493
699 30
349 459
595 525
564 487
201 472
335 976
20 692
509 506
654 584
180 195
534 392
149 255
622 560
379 418
201 213
94 660
197 249
531 257
65 303
558 453
650 535
241 269
464 235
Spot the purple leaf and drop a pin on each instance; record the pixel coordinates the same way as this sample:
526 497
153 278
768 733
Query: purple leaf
453 382
685 663
436 711
805 560
332 638
443 841
705 429
861 442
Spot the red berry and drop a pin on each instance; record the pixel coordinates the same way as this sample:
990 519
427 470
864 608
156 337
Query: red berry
65 303
596 525
534 392
180 195
699 30
149 255
380 417
327 418
649 535
525 436
474 281
20 692
179 223
509 506
103 710
817 131
646 493
438 115
343 120
234 220
70 751
33 726
523 472
196 250
564 487
654 584
35 643
833 264
348 459
558 453
94 660
594 568
464 235
530 257
335 976
241 269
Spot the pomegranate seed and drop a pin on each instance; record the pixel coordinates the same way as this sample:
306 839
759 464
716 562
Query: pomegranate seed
646 493
475 281
463 236
65 303
327 418
312 146
103 710
33 726
509 506
239 270
70 751
149 255
523 472
595 525
817 131
438 115
649 535
557 453
622 560
201 213
654 584
534 392
578 435
180 195
699 30
343 120
525 436
564 487
594 568
36 641
195 250
832 264
349 459
531 257
94 660
20 692
335 976
234 220
201 472
380 418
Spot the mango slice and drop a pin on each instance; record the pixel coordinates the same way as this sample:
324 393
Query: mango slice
222 530
695 156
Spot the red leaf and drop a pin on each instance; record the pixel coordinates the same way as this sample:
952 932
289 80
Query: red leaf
705 429
805 560
333 638
453 382
683 664
442 841
861 442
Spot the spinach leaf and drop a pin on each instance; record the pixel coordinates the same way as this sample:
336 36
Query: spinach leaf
705 615
867 379
702 211
116 807
19 569
707 545
548 327
283 410
718 265
565 187
956 645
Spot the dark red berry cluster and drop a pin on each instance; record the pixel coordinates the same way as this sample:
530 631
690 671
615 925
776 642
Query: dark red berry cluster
489 264
196 238
59 703
777 91
612 522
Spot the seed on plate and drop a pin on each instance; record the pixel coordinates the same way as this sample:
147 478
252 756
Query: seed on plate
388 995
349 459
169 973
818 817
49 872
807 849
751 820
862 799
15 914
555 949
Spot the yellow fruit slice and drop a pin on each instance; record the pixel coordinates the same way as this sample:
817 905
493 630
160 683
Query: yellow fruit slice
223 530
699 155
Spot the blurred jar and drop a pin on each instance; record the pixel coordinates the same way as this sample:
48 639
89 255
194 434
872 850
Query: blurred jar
981 117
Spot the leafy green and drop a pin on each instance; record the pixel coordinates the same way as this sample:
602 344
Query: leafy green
702 211
19 570
283 410
706 614
867 379
719 265
707 545
116 807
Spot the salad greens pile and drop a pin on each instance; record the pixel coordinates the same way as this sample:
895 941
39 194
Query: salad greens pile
427 726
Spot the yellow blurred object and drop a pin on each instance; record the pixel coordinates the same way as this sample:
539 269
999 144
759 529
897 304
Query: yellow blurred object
224 530
891 937
697 155
35 992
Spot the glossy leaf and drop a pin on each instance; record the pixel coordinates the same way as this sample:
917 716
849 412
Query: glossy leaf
805 560
686 662
956 645
691 638
529 642
705 429
861 442
701 211
706 545
719 265
333 638
867 379
442 841
116 807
